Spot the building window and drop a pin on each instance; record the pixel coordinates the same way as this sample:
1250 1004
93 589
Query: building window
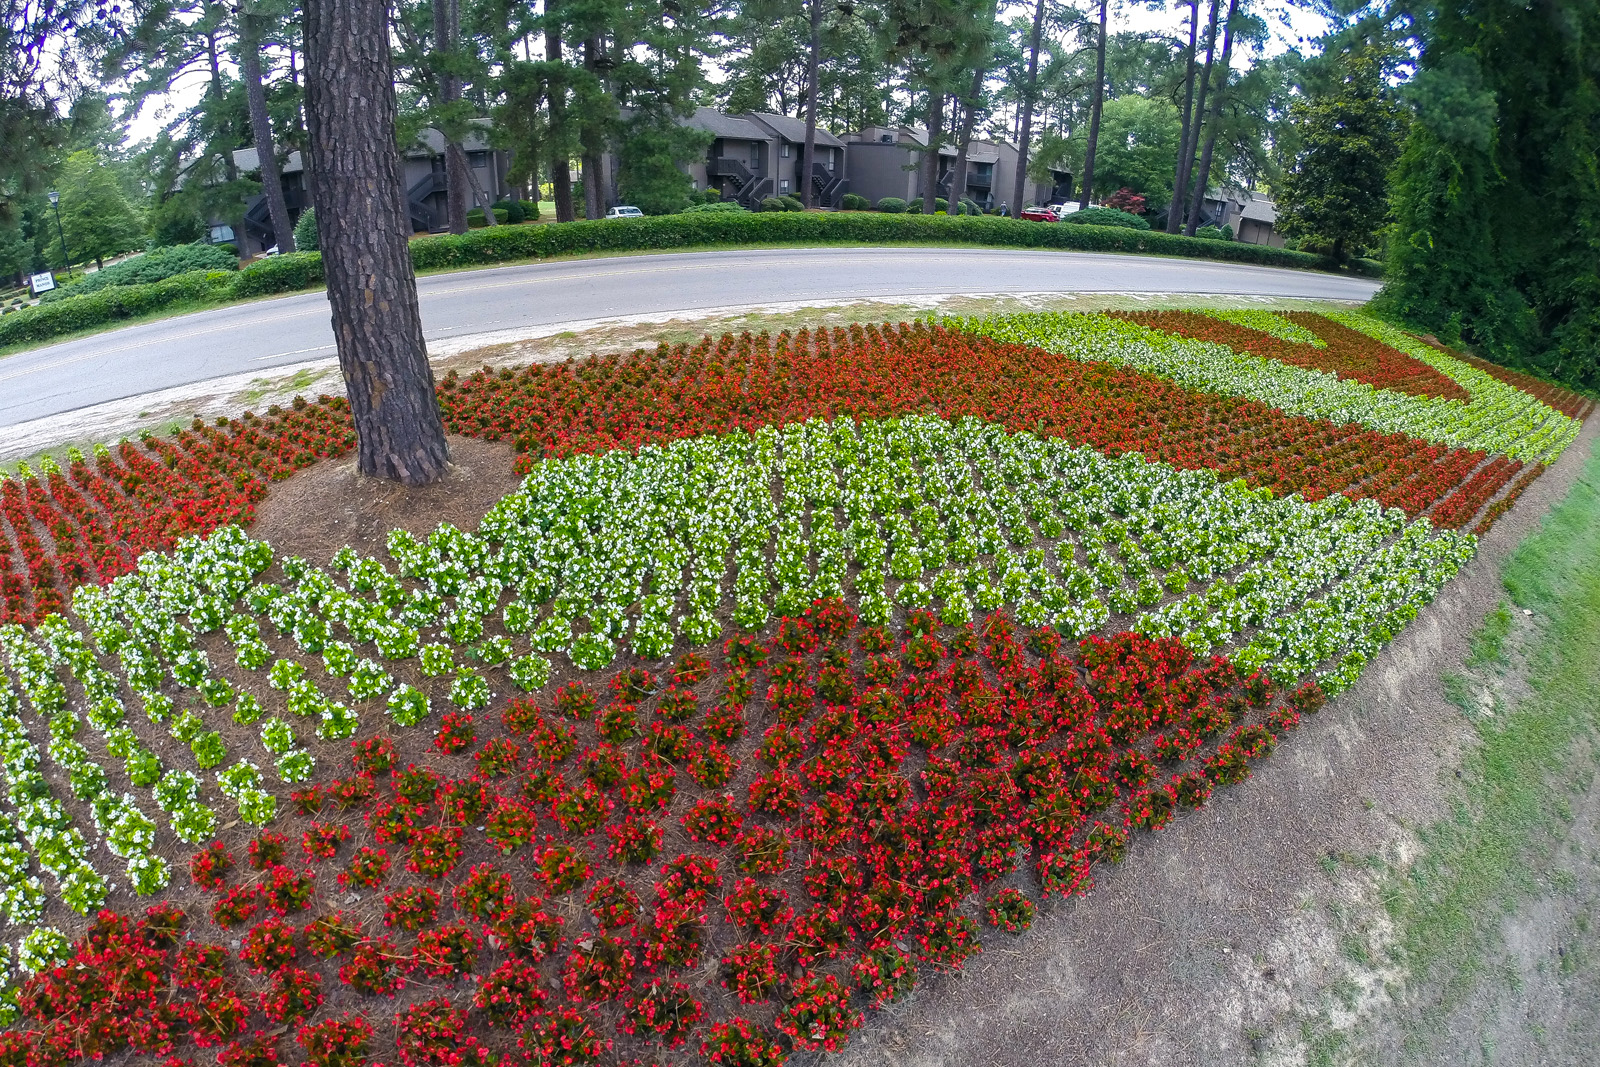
786 150
755 157
221 234
783 186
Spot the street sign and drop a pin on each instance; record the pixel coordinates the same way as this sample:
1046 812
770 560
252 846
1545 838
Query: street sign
42 283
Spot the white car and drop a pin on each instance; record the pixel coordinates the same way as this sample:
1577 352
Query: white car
623 211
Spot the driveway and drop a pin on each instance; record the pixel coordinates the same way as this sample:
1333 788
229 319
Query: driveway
293 329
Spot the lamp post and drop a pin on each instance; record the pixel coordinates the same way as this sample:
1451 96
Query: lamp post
66 253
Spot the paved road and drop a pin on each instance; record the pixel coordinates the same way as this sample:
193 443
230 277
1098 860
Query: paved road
292 329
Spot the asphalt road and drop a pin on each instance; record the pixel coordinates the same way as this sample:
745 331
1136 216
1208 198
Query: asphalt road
293 329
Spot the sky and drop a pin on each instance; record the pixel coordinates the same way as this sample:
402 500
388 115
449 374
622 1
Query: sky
1291 26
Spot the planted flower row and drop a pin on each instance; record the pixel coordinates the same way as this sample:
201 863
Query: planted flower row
88 522
729 861
1498 417
1338 349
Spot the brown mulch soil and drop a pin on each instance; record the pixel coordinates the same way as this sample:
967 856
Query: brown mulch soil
328 506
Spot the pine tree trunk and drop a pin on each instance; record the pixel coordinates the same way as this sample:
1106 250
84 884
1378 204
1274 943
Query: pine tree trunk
1087 181
930 176
593 160
969 116
1197 200
1029 90
808 156
560 161
1175 206
261 127
1193 145
361 219
445 14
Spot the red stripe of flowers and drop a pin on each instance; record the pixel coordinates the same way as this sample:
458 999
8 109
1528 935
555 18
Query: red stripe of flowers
91 524
1349 353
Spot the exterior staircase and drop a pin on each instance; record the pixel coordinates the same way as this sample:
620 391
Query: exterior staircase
749 188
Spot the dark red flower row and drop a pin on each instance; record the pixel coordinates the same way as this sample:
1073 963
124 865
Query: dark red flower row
1346 352
90 523
815 846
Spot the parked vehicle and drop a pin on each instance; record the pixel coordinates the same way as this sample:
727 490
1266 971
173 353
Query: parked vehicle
1047 213
623 211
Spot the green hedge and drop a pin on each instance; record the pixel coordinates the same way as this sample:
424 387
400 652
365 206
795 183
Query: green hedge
156 265
280 274
501 244
48 321
796 227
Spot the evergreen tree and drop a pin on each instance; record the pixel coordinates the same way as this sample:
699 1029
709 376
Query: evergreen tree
95 212
1336 195
1497 196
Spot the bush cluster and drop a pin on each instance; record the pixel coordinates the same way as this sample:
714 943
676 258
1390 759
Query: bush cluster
156 265
1106 216
499 244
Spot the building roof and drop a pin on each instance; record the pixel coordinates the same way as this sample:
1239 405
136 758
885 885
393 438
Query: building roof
718 124
983 152
1258 209
431 142
794 130
247 160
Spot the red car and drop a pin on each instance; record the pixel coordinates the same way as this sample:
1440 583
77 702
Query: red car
1050 213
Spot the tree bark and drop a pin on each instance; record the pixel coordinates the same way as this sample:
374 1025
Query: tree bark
361 216
1175 207
560 156
446 16
1087 180
215 89
1198 199
593 160
808 155
1029 89
930 175
1193 145
969 116
261 126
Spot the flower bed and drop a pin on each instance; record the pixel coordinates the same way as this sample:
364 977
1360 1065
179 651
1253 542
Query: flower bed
955 765
1498 418
88 522
1343 351
902 630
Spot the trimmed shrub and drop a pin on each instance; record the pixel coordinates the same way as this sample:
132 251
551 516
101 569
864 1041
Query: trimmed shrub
475 217
1106 216
1212 233
891 205
156 265
970 207
280 274
305 232
714 206
1227 233
792 203
47 321
303 270
512 209
853 202
773 203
